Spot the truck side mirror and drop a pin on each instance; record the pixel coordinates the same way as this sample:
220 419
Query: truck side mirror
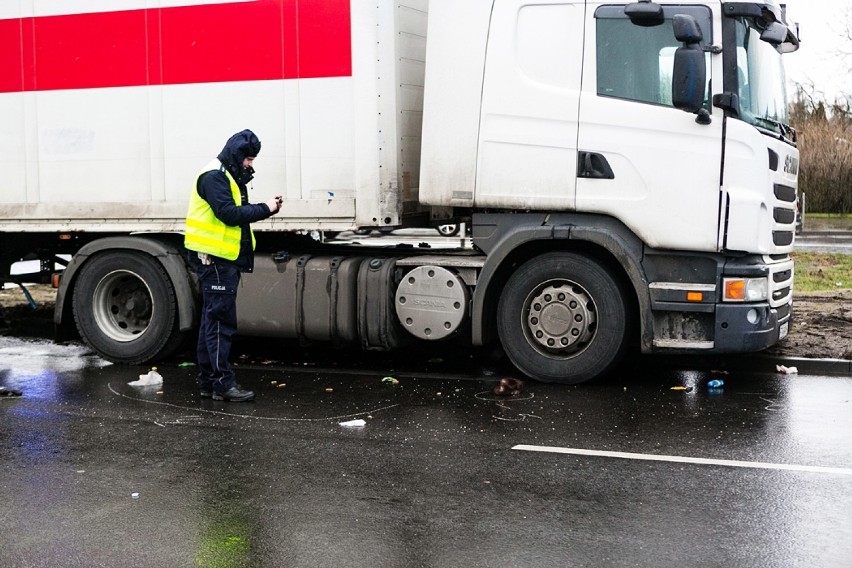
689 76
781 36
774 34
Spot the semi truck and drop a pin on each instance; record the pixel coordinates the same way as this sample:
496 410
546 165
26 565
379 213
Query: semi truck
624 173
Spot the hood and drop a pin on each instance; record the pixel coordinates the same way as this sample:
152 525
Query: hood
238 147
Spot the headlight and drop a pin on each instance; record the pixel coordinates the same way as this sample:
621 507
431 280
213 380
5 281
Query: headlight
746 289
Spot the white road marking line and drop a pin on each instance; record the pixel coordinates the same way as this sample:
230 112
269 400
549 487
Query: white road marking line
681 459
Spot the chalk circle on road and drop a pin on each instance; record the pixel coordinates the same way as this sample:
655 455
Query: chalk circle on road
246 416
491 397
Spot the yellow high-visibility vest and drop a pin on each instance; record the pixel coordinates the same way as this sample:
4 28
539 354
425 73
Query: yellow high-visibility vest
204 231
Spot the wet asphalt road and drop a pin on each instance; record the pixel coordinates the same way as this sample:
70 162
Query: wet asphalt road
838 242
432 479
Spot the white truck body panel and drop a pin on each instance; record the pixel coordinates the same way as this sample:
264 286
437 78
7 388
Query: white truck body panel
125 158
528 136
537 107
448 163
651 149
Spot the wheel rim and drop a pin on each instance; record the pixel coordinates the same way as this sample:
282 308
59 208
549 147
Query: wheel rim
122 305
560 318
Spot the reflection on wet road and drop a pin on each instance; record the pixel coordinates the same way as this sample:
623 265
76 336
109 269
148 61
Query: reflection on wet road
96 472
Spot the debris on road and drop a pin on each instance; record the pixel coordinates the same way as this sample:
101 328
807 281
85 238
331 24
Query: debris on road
9 392
149 379
715 384
786 370
508 387
390 381
359 423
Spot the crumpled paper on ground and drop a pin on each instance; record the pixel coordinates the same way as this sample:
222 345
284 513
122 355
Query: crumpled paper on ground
151 379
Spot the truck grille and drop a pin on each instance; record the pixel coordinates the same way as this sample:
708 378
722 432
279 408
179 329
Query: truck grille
784 214
780 283
785 193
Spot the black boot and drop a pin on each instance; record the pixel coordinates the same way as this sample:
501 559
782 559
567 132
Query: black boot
234 394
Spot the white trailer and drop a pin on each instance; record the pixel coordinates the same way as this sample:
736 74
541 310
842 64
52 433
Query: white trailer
626 170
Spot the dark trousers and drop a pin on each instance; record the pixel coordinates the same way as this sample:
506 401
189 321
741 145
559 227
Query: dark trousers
218 324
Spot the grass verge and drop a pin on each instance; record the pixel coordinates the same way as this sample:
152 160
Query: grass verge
817 272
828 222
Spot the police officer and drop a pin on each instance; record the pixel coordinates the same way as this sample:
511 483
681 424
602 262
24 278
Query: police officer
220 245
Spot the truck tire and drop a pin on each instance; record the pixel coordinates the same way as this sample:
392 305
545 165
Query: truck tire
125 308
563 318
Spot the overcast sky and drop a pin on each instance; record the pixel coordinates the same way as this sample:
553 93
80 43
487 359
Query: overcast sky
823 27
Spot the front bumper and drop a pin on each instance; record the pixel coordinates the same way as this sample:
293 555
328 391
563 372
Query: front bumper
743 328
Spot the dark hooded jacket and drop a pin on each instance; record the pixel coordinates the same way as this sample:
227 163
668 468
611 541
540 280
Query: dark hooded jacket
214 187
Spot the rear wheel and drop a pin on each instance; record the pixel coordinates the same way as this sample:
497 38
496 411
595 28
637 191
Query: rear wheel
125 308
562 318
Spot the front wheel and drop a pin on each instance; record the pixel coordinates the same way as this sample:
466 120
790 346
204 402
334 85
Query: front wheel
563 318
125 308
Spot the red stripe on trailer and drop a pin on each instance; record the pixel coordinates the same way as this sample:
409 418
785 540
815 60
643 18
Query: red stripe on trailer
246 41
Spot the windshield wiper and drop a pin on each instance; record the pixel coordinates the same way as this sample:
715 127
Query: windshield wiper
785 130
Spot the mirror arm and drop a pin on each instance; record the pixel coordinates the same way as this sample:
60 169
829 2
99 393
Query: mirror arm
729 102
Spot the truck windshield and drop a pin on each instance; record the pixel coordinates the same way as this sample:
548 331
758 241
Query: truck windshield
762 91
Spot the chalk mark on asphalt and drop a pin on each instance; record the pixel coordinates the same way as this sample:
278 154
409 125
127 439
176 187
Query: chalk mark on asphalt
500 400
246 416
682 459
773 405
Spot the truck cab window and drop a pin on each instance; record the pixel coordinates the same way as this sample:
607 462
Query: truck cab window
635 62
761 80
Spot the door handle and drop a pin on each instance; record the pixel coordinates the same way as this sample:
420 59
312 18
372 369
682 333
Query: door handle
592 165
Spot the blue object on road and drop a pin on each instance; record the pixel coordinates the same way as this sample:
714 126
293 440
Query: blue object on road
715 384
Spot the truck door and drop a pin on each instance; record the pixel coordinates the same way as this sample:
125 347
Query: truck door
530 98
664 166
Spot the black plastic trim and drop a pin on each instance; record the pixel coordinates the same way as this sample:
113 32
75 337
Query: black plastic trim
785 216
785 193
773 160
782 238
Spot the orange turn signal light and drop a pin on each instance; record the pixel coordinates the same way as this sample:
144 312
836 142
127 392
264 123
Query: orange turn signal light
695 296
735 289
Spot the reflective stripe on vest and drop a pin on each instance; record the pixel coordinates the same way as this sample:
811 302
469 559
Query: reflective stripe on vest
204 231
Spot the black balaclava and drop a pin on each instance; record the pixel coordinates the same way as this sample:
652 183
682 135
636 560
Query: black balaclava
238 147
